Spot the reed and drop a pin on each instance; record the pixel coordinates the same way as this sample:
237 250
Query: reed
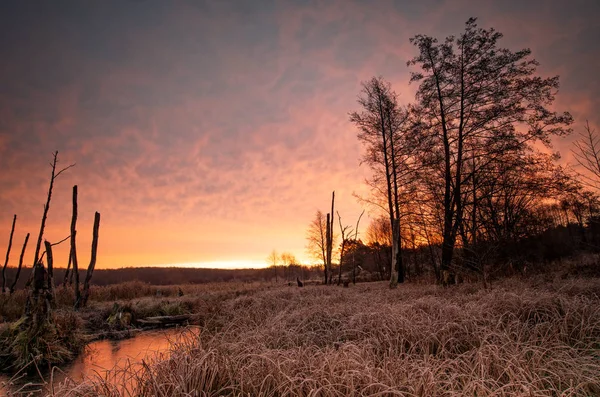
528 338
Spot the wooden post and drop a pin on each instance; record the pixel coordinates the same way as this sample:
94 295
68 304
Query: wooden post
12 232
90 270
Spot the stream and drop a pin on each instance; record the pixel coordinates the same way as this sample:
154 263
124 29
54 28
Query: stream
98 357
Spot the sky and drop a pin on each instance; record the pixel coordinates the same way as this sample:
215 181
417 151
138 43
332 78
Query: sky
210 132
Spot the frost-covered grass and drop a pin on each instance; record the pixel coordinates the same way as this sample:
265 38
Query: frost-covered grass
537 337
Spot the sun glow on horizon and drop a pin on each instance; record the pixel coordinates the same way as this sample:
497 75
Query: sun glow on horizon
233 264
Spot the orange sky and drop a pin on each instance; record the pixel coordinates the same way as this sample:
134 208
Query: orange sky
211 132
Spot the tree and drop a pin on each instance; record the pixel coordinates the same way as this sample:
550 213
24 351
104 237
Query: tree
382 125
73 250
353 251
587 155
55 174
473 95
273 261
290 265
379 239
316 237
344 231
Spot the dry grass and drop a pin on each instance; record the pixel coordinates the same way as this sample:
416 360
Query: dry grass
529 338
55 342
62 339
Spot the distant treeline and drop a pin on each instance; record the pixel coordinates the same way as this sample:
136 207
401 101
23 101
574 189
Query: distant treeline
175 275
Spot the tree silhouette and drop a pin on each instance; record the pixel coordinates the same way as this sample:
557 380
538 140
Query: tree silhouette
587 155
382 125
316 237
472 95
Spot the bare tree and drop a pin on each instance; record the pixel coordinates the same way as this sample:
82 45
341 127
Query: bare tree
10 239
55 174
379 238
50 263
317 239
354 251
382 124
344 231
273 261
472 93
587 155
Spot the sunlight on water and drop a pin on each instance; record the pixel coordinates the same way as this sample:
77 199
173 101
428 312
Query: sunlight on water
103 355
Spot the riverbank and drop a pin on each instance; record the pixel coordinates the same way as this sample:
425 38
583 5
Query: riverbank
113 312
539 336
97 357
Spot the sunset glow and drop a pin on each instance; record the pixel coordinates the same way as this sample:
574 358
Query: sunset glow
209 133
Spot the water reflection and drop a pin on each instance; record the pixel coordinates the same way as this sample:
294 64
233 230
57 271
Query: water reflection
101 356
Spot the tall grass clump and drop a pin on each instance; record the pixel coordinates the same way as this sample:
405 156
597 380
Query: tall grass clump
517 339
55 342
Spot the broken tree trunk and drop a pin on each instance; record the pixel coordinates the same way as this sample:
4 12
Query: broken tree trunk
12 287
10 239
343 230
328 274
354 250
68 272
50 261
37 308
92 265
330 237
53 177
73 252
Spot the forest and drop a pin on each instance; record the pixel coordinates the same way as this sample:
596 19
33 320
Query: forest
465 178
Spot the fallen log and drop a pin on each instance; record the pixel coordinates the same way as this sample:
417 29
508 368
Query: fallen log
164 320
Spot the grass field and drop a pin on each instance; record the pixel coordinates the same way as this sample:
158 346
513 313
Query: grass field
534 337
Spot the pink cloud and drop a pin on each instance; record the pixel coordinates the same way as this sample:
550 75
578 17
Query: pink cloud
206 134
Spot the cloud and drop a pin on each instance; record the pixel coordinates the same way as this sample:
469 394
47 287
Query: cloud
214 130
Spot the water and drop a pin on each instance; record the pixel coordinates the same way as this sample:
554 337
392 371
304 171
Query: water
100 356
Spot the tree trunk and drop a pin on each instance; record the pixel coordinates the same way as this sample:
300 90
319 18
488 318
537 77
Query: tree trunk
37 308
341 260
45 215
90 270
10 239
12 287
395 251
73 252
398 254
68 272
53 177
330 244
50 260
327 251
